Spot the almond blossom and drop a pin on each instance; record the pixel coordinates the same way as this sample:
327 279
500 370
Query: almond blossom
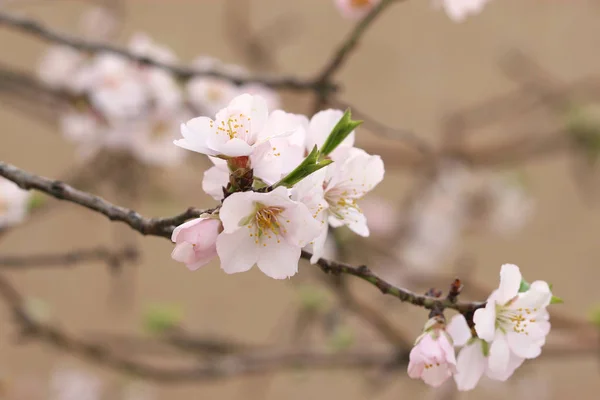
473 359
237 130
344 183
355 9
196 242
516 324
459 10
13 203
319 128
266 229
432 358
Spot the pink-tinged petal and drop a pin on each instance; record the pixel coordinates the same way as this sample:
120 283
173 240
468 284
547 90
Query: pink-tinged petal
510 281
357 222
537 297
183 252
459 330
513 363
430 348
193 266
236 210
301 226
183 226
278 260
499 354
318 244
416 363
436 374
485 321
353 10
214 180
470 366
237 251
266 164
235 148
448 350
523 345
254 107
321 125
188 145
282 125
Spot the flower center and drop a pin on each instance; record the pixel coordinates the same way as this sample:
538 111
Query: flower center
341 201
236 126
266 224
515 319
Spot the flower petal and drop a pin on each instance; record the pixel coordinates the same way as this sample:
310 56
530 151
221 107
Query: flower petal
436 374
470 366
514 362
236 209
499 354
238 251
214 180
510 281
278 260
485 321
459 330
523 345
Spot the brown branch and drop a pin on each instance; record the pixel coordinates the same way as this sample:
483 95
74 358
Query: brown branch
224 367
33 27
351 42
113 259
164 227
410 139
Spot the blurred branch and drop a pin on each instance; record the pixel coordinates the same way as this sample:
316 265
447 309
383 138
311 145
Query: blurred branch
113 259
33 27
224 367
348 46
410 139
164 227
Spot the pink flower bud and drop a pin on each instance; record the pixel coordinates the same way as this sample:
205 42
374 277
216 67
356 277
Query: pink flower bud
432 359
196 242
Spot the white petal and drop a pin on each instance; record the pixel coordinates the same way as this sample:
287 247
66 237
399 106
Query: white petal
278 260
459 330
523 345
510 281
321 125
214 181
236 209
234 148
499 354
237 251
470 365
281 124
514 362
485 321
318 244
302 228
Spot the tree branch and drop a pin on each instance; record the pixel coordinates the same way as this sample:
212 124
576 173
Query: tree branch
113 259
33 27
351 42
221 368
164 227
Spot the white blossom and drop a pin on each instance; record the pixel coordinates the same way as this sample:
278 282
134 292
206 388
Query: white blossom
13 203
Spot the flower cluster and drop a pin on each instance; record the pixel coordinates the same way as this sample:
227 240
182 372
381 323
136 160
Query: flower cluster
121 105
510 329
14 204
282 179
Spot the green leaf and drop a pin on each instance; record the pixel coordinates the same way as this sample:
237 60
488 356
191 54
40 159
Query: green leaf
339 133
524 286
160 318
312 163
485 347
556 300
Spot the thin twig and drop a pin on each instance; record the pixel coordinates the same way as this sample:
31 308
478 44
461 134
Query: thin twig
111 258
35 28
351 42
164 227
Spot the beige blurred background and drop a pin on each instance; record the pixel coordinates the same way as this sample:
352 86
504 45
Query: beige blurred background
414 67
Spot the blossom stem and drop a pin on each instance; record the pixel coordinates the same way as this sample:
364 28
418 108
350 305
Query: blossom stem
164 227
